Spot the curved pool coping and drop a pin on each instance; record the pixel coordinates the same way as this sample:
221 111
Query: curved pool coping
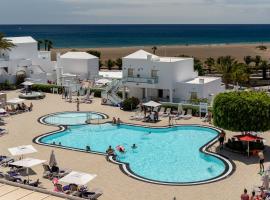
125 167
42 118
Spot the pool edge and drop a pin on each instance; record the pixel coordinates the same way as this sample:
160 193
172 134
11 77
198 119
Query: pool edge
230 166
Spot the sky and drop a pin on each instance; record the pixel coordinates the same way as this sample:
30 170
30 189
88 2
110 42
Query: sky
134 11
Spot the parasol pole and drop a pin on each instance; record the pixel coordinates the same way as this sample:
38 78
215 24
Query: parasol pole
248 148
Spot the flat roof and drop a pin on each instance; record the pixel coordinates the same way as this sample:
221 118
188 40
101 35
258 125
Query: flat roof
206 79
141 54
77 55
20 40
111 74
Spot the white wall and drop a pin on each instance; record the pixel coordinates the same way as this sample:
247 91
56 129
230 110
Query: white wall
86 68
23 51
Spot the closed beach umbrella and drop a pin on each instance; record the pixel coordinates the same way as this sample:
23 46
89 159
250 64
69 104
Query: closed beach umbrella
22 150
52 161
78 178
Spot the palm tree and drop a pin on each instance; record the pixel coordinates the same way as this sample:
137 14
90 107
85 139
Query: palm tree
240 73
198 66
45 44
40 42
226 67
264 66
50 45
248 60
210 63
154 48
5 44
257 60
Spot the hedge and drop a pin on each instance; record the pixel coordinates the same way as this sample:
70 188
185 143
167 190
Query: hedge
242 111
46 88
130 103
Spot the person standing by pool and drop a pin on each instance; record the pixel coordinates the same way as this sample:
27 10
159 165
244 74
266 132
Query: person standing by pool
261 161
78 104
221 139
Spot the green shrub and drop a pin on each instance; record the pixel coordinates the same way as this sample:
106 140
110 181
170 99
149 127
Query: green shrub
130 103
242 111
97 92
7 86
46 88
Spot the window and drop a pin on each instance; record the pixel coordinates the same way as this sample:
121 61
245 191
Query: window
130 72
154 73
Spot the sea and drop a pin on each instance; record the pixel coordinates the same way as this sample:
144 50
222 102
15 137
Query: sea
75 36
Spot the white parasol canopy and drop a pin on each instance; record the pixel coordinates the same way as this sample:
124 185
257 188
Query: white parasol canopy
27 83
152 104
28 162
78 178
2 110
22 150
15 101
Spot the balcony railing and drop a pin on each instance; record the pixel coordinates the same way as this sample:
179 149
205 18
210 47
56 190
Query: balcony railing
148 80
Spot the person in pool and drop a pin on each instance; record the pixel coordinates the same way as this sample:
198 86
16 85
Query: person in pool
110 152
134 146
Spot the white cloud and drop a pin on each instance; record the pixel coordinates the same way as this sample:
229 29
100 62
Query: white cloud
135 11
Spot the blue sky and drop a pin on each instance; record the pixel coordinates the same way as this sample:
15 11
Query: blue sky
134 11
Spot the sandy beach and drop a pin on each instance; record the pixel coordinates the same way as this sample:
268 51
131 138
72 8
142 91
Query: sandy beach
202 52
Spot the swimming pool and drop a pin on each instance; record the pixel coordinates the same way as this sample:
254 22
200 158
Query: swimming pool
71 118
172 156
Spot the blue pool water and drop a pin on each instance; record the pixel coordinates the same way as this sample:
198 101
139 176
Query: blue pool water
163 154
71 118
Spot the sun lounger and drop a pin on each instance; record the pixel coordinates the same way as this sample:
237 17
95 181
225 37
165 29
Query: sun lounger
161 111
49 173
4 160
13 177
138 117
188 115
92 195
3 131
167 113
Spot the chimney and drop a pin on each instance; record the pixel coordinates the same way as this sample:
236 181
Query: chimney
58 56
201 80
149 57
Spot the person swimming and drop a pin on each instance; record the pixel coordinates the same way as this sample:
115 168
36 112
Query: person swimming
134 146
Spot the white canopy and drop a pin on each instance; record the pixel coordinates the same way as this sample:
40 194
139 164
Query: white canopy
15 101
78 178
22 150
103 81
2 110
152 104
27 83
28 162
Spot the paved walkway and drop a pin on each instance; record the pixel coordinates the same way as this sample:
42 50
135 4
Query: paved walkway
8 192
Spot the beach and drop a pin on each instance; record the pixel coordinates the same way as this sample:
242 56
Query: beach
238 51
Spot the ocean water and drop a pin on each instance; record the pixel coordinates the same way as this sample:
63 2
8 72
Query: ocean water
140 35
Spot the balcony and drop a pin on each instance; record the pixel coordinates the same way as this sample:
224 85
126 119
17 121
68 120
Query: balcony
147 80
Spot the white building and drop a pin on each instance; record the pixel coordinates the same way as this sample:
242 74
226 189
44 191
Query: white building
173 79
25 58
82 64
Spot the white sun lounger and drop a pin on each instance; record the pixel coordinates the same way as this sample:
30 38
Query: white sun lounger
167 113
188 115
